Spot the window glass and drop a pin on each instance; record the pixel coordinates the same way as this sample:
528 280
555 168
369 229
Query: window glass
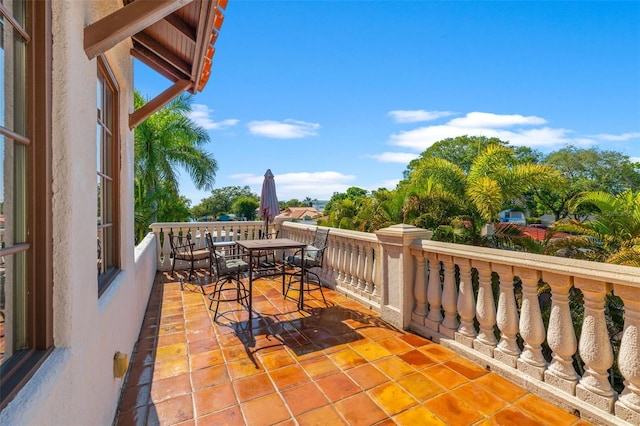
107 174
12 79
14 308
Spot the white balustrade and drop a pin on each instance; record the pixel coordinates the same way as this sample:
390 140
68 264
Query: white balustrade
507 334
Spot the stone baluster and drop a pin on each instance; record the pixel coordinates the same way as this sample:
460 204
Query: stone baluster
372 288
362 285
449 295
595 346
164 247
485 341
466 304
329 260
340 260
561 336
420 291
507 350
354 265
531 361
628 405
366 273
434 293
346 258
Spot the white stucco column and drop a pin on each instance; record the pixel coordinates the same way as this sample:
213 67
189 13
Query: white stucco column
397 271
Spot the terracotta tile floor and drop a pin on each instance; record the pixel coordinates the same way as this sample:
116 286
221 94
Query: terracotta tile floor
327 365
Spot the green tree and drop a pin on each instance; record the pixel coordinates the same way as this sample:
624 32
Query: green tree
612 236
463 150
497 178
164 143
220 202
245 207
586 170
342 208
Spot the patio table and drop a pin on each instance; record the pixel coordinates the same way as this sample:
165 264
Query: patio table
256 246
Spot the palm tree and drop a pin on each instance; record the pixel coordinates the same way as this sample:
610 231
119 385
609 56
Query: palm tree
496 178
612 236
165 142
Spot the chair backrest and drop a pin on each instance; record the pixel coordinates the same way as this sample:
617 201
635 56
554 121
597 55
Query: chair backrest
320 238
181 245
315 250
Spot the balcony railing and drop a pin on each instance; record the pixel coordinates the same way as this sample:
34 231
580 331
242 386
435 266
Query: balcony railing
487 304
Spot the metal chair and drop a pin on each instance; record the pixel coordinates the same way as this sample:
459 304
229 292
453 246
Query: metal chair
313 260
228 286
183 249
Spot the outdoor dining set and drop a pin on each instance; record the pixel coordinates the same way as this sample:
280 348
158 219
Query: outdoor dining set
234 265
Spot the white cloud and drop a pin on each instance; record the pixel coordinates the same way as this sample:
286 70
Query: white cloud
395 157
490 125
622 137
634 159
286 129
414 116
487 119
319 185
201 115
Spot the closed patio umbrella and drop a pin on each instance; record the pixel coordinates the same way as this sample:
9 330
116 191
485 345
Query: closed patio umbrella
269 207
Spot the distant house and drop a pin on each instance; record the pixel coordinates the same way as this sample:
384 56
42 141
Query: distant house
227 217
302 213
513 216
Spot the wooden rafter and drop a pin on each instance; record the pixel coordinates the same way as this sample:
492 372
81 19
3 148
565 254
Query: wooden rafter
142 113
161 51
181 26
154 62
125 22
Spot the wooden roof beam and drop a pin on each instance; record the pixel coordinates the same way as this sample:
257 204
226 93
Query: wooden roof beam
180 25
105 33
156 63
142 113
162 52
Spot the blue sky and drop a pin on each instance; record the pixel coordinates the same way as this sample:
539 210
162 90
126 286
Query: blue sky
334 94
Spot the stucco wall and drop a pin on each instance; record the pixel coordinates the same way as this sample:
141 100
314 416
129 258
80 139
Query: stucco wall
75 385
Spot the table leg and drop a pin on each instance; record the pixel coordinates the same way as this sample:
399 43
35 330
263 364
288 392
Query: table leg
302 274
250 288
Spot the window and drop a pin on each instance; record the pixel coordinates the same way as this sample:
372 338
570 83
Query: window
25 192
108 155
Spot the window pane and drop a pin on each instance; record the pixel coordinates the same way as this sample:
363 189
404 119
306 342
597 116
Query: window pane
17 9
99 148
100 252
99 98
13 305
12 79
100 186
20 194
